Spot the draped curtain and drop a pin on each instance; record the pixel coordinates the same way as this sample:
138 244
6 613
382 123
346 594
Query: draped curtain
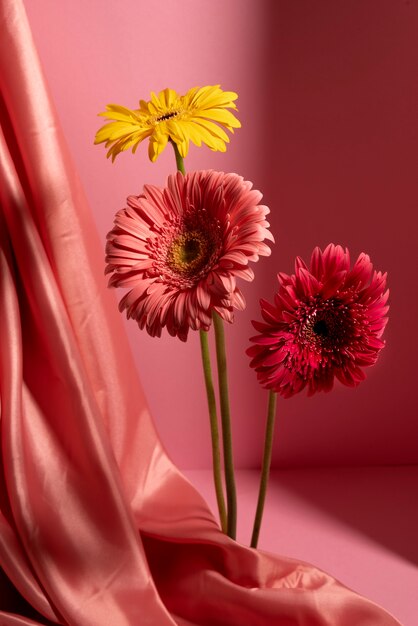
97 526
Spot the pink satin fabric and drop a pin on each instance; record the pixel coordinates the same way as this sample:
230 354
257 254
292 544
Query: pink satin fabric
97 526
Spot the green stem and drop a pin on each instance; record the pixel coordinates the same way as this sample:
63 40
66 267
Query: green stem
179 158
216 454
265 471
231 495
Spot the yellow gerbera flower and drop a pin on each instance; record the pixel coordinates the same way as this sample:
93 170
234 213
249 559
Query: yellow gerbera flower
198 117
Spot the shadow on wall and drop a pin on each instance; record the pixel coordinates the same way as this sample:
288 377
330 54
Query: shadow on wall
380 502
340 148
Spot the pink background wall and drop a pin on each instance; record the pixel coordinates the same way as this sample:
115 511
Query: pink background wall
328 100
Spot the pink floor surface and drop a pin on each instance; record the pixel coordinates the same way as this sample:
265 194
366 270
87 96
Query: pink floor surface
358 524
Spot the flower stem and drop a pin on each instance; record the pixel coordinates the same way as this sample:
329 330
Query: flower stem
179 158
231 495
213 417
216 455
265 471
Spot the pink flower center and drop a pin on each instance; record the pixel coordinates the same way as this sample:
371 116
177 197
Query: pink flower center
189 252
185 251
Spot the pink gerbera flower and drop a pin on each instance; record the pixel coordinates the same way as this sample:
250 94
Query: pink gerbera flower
180 249
326 321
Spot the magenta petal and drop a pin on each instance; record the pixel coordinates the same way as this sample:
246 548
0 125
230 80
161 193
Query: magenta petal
307 283
362 271
333 283
317 266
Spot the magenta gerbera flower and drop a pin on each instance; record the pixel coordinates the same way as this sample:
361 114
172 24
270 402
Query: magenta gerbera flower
179 250
326 321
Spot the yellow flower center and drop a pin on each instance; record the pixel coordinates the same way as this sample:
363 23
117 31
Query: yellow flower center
167 116
188 253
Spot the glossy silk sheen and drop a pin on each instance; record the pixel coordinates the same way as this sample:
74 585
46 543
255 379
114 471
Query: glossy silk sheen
97 527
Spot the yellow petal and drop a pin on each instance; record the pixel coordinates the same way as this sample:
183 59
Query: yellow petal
219 115
199 134
211 96
122 117
117 108
157 143
214 129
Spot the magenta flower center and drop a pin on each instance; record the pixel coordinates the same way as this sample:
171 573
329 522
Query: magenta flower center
328 326
321 328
